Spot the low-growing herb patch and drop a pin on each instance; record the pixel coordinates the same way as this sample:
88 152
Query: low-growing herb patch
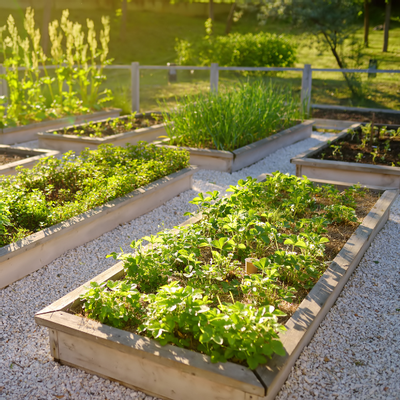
230 120
112 126
366 145
188 287
55 190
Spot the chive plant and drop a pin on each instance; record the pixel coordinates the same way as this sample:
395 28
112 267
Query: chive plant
232 119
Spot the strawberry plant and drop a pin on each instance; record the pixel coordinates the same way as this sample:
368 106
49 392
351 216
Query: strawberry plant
189 288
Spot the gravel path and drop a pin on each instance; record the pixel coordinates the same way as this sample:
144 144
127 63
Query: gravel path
354 354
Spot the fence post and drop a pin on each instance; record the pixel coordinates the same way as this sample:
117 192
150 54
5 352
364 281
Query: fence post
3 82
135 86
306 85
214 75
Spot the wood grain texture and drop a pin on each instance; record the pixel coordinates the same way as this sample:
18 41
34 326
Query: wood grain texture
25 133
75 143
135 348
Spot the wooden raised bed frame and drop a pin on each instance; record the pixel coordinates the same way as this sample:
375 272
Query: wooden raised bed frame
25 133
21 258
170 372
382 176
231 161
66 142
35 156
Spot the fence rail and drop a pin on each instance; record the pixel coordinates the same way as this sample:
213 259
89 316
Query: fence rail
306 84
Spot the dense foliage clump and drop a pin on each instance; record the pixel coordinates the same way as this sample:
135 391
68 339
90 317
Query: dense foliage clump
188 287
55 190
238 50
65 82
232 119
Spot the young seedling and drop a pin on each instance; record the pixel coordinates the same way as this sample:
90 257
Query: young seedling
359 157
375 153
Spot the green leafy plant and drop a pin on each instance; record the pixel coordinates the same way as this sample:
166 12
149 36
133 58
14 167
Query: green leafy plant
236 49
359 157
73 88
112 126
57 189
231 119
188 287
375 153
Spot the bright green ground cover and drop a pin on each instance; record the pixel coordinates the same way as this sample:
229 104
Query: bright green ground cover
189 288
150 39
55 190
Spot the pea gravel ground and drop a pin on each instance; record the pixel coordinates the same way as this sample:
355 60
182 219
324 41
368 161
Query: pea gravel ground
355 354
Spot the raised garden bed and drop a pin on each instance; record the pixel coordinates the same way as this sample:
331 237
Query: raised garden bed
118 131
25 133
175 373
356 116
13 157
231 161
352 157
94 194
234 129
331 124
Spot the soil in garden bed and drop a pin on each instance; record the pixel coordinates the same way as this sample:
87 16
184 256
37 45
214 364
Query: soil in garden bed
112 126
380 118
383 151
7 157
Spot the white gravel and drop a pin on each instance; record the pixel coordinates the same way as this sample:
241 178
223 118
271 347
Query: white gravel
354 354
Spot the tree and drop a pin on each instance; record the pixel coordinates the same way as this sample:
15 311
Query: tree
45 27
386 26
124 11
331 22
366 22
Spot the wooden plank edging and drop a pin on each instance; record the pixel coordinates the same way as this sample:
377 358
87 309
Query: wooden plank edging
66 142
231 161
29 132
36 155
367 174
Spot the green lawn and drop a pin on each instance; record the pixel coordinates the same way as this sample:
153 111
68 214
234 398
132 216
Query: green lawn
150 39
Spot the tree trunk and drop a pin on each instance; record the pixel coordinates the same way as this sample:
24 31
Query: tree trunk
229 21
341 66
386 26
211 10
45 28
366 22
124 13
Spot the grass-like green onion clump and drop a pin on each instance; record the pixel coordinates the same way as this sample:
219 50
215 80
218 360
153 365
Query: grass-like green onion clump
232 119
55 190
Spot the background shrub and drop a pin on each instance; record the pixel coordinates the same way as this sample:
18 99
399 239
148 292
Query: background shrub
249 50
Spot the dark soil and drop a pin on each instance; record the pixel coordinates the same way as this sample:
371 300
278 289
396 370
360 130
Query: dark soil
349 149
111 127
7 157
380 118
